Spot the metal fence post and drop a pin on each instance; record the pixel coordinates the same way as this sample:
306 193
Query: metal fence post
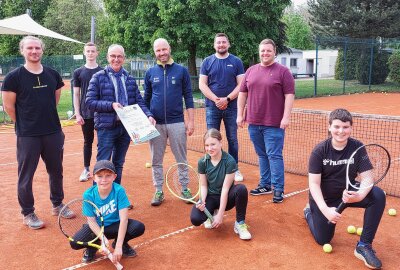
344 63
316 65
371 62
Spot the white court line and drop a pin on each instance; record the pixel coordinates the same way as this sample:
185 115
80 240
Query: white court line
169 235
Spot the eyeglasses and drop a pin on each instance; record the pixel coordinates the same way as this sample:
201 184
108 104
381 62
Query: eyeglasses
113 56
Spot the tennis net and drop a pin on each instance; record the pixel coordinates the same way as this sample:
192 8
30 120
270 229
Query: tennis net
308 128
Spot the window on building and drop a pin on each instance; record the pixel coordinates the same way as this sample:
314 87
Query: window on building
293 62
283 61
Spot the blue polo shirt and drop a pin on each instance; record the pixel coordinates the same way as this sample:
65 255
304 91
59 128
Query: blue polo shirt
222 74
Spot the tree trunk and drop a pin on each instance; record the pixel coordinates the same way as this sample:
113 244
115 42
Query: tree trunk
192 60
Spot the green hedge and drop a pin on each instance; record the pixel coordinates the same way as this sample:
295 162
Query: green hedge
394 66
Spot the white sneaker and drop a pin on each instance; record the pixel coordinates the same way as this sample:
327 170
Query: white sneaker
238 176
242 231
208 224
85 175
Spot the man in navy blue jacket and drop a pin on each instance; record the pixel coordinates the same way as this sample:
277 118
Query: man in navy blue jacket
109 89
164 86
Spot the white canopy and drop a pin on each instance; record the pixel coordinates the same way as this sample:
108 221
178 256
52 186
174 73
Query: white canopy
25 25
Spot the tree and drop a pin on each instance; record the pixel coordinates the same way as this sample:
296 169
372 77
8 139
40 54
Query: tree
10 8
73 19
190 25
357 18
298 32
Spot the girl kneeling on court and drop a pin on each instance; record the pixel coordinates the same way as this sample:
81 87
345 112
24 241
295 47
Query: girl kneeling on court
218 192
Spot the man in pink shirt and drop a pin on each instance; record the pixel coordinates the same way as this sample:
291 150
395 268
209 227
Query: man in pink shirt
268 90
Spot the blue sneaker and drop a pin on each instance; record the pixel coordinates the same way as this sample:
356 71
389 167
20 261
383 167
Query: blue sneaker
278 196
367 254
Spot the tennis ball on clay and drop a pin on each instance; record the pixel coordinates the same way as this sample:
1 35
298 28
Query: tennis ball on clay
359 231
351 229
148 165
327 248
392 212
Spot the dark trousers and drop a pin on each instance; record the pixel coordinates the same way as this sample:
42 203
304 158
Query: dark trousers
29 149
134 229
237 196
374 204
88 137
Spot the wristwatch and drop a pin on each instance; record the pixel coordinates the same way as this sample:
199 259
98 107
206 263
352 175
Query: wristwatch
228 99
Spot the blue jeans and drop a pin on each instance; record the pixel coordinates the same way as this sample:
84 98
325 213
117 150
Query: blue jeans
213 119
268 143
113 142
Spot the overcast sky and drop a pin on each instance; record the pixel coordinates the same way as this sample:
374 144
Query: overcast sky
299 2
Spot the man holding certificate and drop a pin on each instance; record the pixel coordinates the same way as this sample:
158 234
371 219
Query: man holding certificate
166 85
109 90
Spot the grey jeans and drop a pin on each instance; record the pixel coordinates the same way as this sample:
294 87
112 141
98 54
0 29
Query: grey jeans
176 134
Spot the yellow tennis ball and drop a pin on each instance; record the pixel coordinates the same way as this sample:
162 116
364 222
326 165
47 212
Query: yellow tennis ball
327 248
148 165
359 231
392 212
351 229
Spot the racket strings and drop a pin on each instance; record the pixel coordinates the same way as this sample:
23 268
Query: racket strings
371 166
71 226
181 177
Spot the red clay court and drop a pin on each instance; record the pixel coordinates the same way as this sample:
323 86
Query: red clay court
281 239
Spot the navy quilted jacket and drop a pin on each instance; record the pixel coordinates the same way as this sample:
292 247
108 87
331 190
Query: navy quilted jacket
101 95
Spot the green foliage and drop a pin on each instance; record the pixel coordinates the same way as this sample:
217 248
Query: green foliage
380 68
298 32
394 66
357 18
190 25
73 19
10 8
352 56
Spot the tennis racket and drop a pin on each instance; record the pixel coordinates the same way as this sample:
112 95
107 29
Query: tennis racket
366 167
89 218
181 176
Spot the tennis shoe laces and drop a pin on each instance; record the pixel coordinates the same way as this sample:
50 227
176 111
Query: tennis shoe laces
32 221
367 254
187 195
238 176
85 175
66 212
242 231
158 198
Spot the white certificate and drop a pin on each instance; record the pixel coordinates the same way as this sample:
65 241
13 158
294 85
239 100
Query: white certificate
137 124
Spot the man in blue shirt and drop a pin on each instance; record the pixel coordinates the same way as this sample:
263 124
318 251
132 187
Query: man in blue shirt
220 77
166 85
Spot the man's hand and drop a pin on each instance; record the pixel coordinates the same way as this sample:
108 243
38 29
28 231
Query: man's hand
240 121
189 125
221 103
351 196
284 122
117 105
152 121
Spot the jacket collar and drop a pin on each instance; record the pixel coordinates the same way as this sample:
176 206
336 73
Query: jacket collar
170 62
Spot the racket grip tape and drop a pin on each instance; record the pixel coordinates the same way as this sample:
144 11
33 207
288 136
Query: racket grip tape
341 207
110 256
208 214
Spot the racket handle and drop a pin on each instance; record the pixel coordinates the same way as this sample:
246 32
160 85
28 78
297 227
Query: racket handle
110 256
208 214
339 209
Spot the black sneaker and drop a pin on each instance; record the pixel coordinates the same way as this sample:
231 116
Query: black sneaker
88 255
307 211
278 196
260 191
367 254
127 250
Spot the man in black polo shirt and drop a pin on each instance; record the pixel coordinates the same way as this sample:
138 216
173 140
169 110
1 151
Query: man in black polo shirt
30 96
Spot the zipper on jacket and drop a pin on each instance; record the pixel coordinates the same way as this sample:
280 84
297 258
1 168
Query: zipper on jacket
165 93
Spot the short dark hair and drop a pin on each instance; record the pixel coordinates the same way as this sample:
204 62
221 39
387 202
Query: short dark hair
342 115
221 35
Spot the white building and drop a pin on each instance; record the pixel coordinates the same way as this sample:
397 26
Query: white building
302 63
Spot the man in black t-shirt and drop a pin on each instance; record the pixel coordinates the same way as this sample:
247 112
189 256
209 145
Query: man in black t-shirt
84 116
327 181
30 96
